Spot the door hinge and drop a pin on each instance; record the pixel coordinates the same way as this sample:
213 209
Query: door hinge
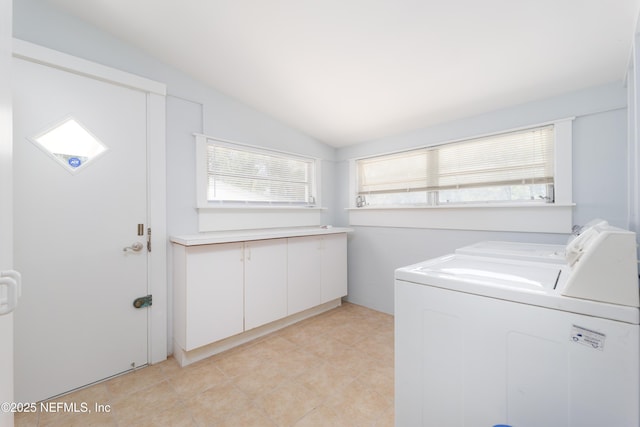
142 302
149 239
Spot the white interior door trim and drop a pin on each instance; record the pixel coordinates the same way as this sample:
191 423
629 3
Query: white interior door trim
157 205
43 55
156 172
6 207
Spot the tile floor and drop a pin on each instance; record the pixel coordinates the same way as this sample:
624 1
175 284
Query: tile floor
335 369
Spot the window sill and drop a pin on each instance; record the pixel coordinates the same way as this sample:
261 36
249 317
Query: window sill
521 217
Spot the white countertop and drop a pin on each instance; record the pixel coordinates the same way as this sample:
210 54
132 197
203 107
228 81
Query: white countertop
261 234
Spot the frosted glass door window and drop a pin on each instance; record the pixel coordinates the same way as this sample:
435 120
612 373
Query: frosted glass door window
71 144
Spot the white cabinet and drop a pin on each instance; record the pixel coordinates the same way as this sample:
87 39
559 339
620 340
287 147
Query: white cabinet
303 273
222 289
208 293
265 281
333 271
317 270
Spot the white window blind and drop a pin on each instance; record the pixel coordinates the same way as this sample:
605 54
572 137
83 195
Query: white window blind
239 174
509 160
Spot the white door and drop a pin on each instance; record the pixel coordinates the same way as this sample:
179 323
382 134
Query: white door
75 212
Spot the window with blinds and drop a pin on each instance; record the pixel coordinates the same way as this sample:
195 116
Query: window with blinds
247 175
511 167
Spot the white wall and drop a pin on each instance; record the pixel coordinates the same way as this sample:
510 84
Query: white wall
599 185
205 109
191 107
599 159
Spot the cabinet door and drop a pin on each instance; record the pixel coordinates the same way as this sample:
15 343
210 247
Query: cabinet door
214 280
265 281
304 273
334 266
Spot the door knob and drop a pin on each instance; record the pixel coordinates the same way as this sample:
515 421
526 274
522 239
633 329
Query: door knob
136 247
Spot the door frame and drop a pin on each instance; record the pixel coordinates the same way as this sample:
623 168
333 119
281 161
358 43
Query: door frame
6 206
156 174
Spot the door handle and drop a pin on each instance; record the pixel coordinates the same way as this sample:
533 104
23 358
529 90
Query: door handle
9 303
15 276
136 247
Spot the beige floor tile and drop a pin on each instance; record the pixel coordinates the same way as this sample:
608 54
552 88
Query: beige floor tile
272 346
132 382
143 404
295 362
385 323
301 332
169 367
237 363
379 348
325 346
93 419
175 415
195 379
356 313
326 379
296 334
379 377
333 370
366 326
378 345
81 420
289 403
350 361
251 416
358 403
216 404
322 416
328 320
261 380
347 334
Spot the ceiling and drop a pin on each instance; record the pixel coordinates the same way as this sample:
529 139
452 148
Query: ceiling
346 71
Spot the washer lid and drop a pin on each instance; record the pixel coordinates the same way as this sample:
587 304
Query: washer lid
493 272
527 282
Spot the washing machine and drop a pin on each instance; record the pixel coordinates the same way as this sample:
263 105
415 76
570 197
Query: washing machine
488 339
